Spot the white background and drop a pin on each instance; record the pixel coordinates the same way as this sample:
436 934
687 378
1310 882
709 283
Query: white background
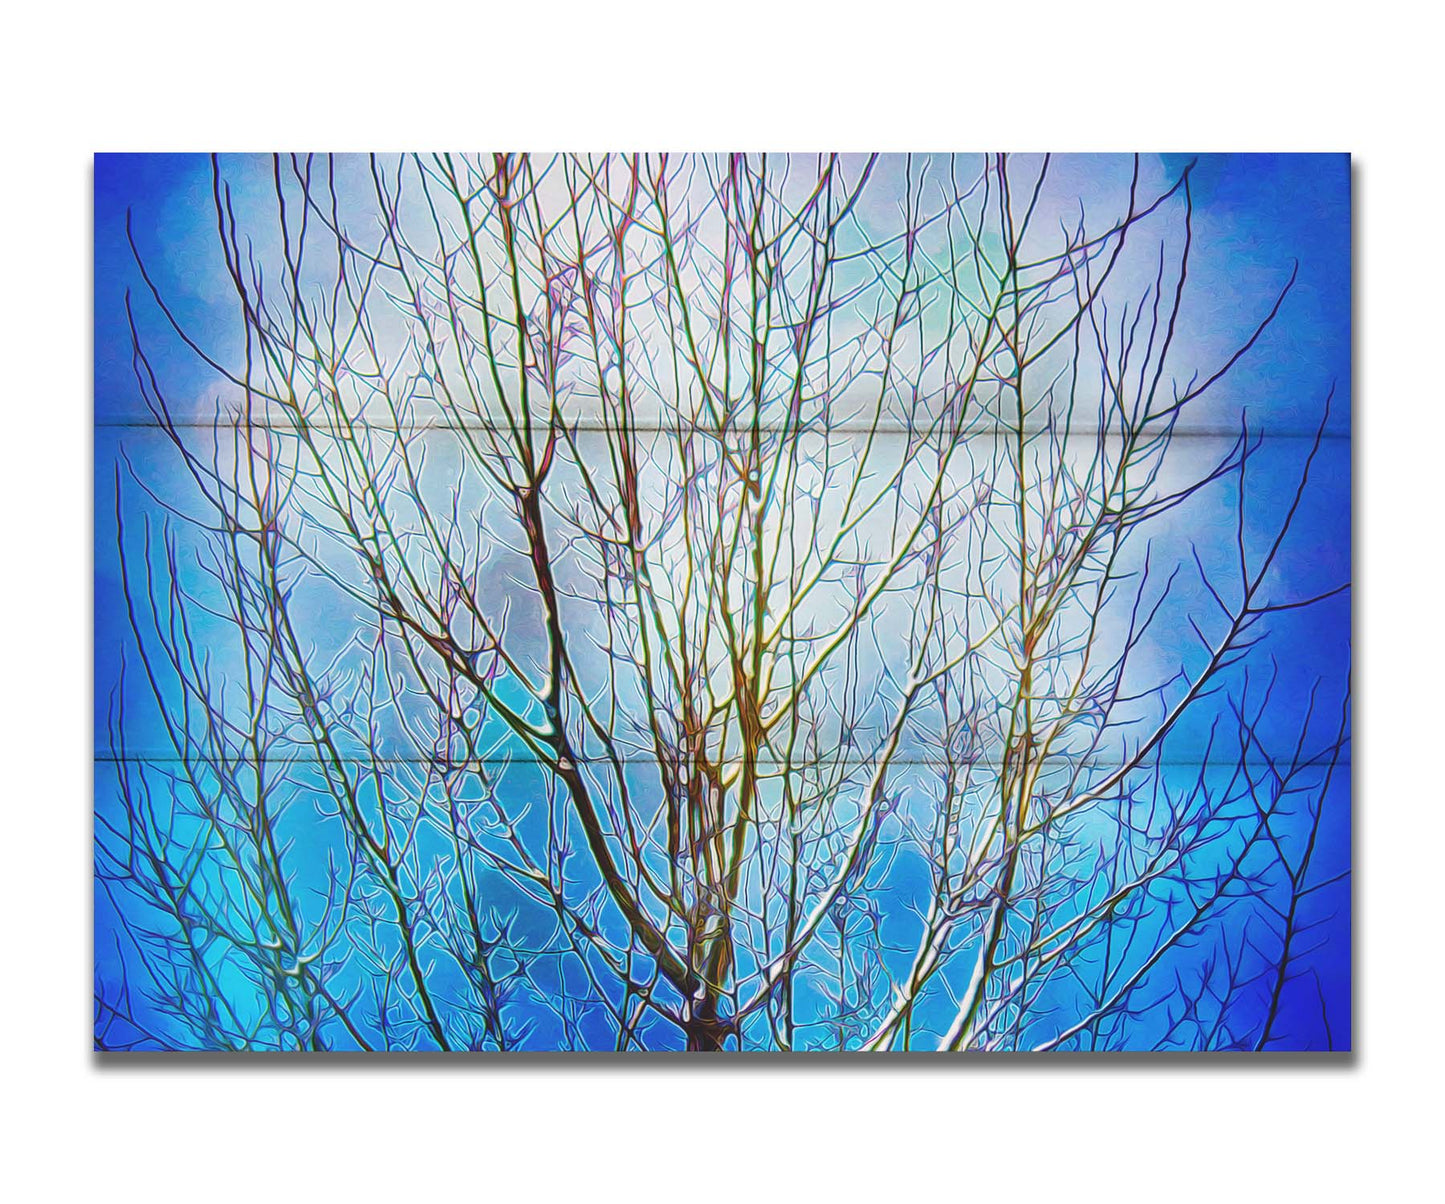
770 75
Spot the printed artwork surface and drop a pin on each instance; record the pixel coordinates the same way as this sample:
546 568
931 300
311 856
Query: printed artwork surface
722 603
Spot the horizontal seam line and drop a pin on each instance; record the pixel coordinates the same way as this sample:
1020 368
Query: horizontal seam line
680 428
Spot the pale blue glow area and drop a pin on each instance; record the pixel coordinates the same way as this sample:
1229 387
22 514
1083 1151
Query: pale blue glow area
1227 842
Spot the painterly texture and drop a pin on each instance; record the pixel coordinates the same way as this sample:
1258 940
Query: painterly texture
746 602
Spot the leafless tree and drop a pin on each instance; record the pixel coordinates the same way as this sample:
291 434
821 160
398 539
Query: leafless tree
655 601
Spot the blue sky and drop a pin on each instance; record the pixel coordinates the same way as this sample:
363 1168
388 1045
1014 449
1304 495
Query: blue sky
1257 218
